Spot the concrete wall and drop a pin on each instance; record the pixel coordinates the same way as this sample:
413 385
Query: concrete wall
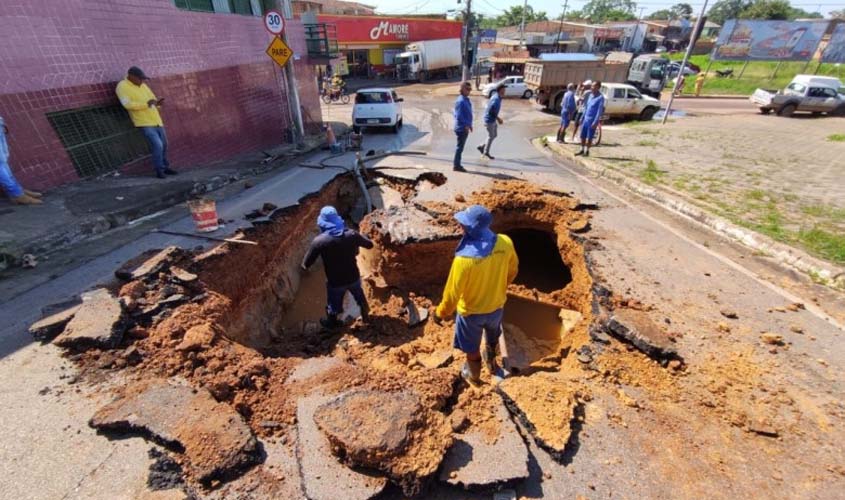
224 95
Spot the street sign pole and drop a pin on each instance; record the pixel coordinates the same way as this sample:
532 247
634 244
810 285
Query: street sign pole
281 53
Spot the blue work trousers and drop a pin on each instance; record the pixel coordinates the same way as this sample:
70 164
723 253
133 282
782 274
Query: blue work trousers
335 294
468 330
459 150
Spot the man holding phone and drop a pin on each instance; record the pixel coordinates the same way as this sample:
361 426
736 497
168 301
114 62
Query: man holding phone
142 106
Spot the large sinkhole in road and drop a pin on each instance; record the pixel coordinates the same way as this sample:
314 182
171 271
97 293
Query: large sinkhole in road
540 262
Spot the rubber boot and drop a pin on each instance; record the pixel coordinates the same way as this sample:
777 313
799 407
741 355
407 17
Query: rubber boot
488 356
330 322
25 199
365 313
471 372
33 194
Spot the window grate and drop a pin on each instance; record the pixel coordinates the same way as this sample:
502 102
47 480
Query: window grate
98 139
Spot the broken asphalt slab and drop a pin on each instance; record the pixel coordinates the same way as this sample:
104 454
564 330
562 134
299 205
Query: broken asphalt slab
388 431
475 461
149 262
214 439
639 330
54 321
323 476
99 322
545 404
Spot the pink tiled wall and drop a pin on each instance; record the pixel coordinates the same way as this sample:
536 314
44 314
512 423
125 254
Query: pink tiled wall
224 95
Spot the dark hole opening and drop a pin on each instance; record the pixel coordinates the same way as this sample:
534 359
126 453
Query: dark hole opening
540 263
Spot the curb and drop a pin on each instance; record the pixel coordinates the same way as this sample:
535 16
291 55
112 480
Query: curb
787 257
102 223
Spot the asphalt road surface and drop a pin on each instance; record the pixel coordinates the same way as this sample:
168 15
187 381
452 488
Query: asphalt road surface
677 444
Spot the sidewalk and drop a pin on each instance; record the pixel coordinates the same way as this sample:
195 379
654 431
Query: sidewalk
774 185
74 213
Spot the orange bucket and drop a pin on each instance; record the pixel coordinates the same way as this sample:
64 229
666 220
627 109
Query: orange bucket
204 213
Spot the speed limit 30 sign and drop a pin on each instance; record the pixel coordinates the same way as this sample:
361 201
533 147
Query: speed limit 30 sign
274 22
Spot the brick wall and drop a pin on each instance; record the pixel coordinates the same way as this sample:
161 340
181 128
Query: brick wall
224 95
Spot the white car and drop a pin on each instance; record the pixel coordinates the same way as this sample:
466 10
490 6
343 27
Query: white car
377 107
623 100
516 87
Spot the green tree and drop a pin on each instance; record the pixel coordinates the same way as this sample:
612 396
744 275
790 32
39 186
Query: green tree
798 13
513 16
599 11
676 12
776 10
726 9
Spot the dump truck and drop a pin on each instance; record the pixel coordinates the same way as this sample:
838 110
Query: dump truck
548 79
816 94
648 73
428 59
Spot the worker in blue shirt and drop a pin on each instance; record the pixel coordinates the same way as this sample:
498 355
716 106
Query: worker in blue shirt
592 115
492 120
463 124
567 112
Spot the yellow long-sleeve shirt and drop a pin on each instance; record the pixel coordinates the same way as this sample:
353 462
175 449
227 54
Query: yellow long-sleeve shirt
135 98
479 285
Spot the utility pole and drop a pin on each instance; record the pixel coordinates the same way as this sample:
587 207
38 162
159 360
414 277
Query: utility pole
637 29
465 70
560 28
522 24
695 30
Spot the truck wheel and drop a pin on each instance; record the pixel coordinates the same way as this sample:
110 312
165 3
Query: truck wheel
558 103
423 76
787 110
840 111
527 94
765 111
648 113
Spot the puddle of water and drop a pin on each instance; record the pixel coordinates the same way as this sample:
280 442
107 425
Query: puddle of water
532 332
676 113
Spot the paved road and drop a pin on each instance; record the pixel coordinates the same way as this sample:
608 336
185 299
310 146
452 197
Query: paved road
678 445
712 106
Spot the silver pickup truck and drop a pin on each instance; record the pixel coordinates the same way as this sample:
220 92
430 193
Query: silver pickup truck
815 94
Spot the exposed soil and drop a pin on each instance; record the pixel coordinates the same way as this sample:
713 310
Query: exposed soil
249 320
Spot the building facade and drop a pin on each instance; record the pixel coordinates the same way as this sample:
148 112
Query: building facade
207 58
368 44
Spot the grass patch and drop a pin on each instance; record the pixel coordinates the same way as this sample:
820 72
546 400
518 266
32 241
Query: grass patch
836 138
826 211
823 243
651 174
647 143
757 75
755 194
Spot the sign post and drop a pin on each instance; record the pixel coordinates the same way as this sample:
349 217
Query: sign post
280 53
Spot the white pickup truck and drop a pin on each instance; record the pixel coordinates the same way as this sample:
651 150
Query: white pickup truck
815 94
623 100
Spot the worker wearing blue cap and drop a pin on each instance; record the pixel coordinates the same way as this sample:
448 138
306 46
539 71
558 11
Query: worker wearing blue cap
338 247
485 264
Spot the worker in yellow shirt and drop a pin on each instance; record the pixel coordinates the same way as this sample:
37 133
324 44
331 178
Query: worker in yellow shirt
484 265
142 106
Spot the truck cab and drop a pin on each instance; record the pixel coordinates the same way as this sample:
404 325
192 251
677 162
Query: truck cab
408 65
648 73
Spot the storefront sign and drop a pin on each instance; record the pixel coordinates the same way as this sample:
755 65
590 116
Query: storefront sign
609 33
487 36
369 29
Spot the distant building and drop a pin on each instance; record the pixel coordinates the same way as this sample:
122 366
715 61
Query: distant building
550 36
62 61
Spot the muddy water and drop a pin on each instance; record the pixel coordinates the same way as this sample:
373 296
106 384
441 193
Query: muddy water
532 331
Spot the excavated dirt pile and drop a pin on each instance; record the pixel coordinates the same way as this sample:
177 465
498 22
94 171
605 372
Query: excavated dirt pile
202 340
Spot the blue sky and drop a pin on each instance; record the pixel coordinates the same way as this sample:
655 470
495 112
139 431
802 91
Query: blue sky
552 7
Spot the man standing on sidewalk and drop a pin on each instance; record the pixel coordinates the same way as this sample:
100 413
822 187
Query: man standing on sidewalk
338 247
492 120
142 106
592 115
485 264
567 111
463 124
11 186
